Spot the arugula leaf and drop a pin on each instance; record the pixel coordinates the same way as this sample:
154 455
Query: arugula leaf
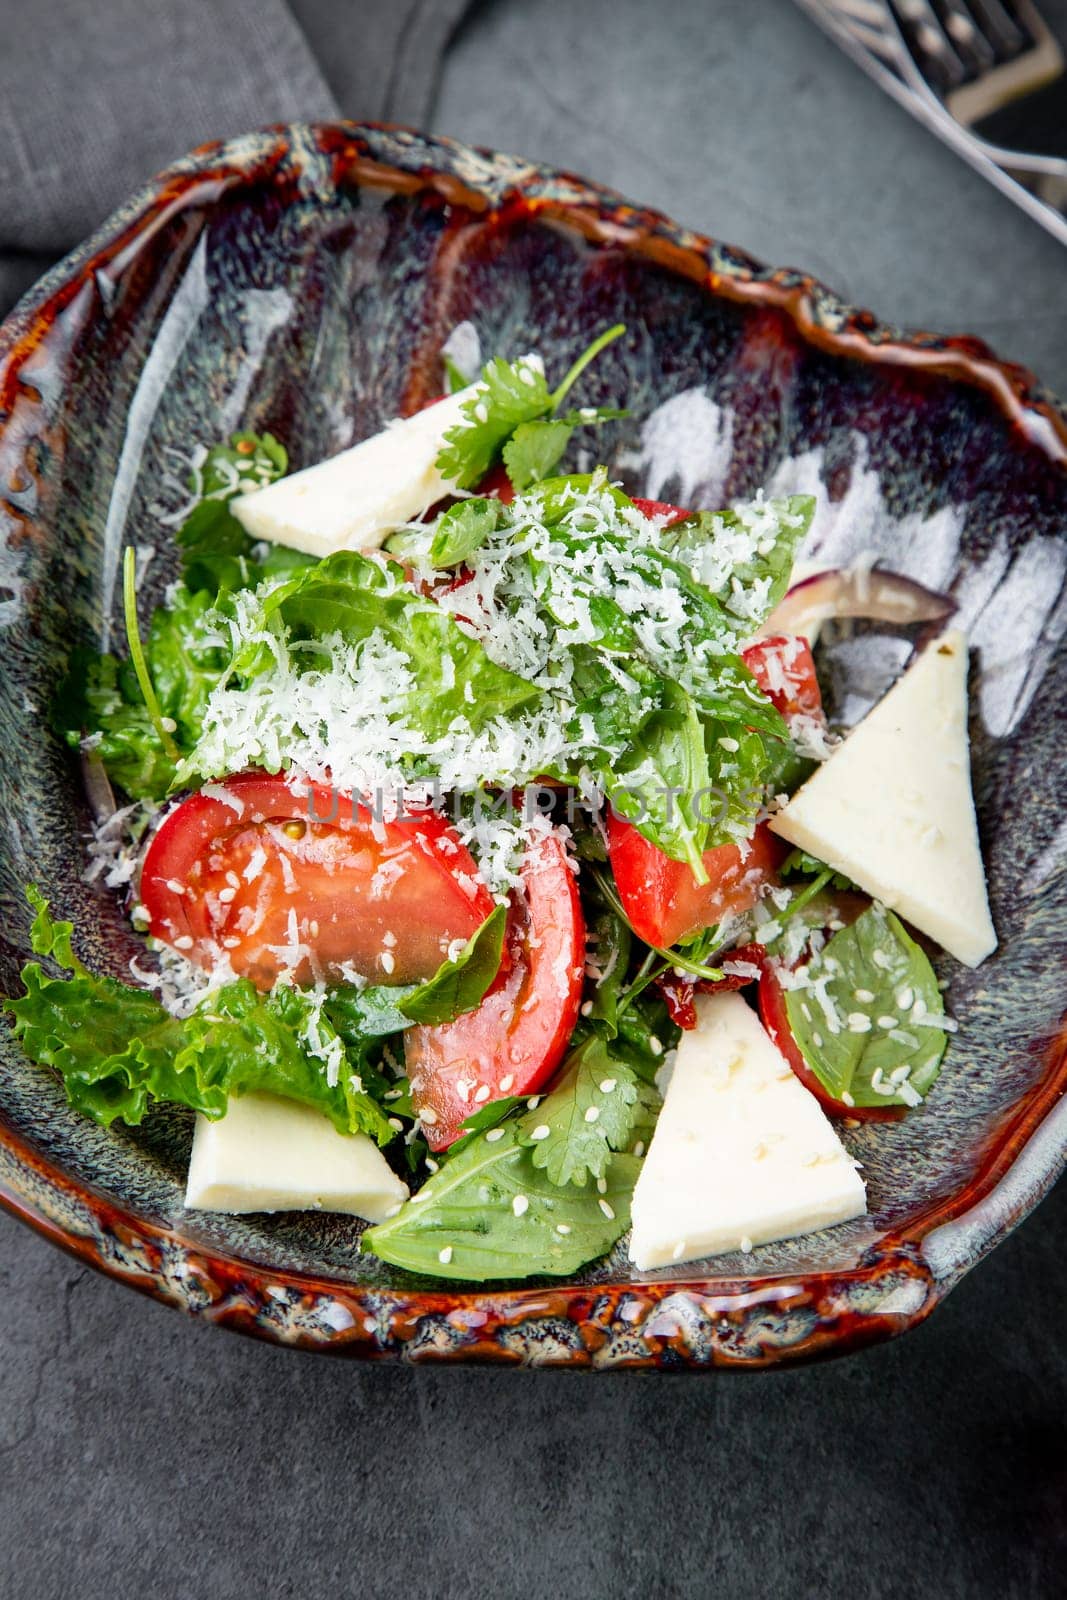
611 942
459 985
899 1039
462 530
585 1117
492 1213
119 1052
101 696
357 596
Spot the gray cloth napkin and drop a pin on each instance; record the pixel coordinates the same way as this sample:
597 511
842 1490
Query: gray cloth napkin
98 95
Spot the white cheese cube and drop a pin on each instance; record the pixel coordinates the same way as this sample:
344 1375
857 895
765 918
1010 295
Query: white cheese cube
742 1153
893 809
356 499
268 1154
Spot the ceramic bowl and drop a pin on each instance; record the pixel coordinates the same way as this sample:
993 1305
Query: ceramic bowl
302 280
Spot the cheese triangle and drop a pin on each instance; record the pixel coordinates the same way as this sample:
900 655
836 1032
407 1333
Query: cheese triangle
742 1153
892 807
355 499
268 1154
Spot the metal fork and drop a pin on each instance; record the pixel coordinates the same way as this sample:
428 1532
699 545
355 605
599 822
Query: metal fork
952 63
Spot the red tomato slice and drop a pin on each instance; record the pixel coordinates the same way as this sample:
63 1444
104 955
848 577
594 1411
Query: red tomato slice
497 482
240 870
662 898
513 1042
775 1018
660 508
784 669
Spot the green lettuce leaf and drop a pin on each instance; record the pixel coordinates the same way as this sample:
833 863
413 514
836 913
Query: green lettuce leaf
356 596
898 1037
119 1052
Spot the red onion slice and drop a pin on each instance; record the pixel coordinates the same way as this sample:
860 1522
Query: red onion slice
858 592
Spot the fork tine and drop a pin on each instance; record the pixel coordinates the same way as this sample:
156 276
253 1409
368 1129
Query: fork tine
927 39
1001 28
970 42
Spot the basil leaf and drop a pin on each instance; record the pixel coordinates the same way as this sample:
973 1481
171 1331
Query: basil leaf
587 1115
459 985
491 1213
370 1013
895 1039
462 530
659 779
490 1115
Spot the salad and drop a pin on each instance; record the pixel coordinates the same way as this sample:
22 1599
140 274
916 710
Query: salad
496 875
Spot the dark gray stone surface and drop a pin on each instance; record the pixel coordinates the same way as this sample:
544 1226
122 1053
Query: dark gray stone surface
144 1455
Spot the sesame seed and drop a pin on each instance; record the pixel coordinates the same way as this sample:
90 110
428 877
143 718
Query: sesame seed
563 1227
864 995
817 1039
679 1250
887 1021
607 1085
542 1131
493 1135
169 724
432 1165
655 1045
587 1008
520 1205
184 943
533 1102
423 1194
639 1148
428 1115
746 1244
445 1256
607 1210
592 1113
226 895
905 997
482 1092
602 1186
859 1022
508 1082
396 1124
388 960
846 1098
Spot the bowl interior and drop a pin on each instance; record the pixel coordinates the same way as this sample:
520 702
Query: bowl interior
316 310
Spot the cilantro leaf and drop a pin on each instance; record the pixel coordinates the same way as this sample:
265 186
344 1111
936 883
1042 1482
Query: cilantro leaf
509 394
534 450
587 1115
871 971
